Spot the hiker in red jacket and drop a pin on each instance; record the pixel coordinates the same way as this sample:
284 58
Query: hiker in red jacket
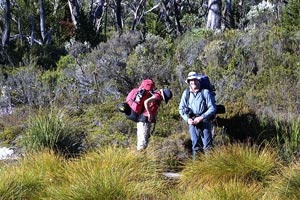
149 116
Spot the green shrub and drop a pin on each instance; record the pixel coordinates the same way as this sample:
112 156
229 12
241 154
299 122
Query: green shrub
53 130
66 62
189 46
290 17
151 59
106 126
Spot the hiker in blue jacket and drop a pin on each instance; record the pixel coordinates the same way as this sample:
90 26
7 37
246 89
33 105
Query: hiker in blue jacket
197 111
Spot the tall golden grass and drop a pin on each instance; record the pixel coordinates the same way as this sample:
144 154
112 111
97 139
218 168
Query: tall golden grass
235 172
285 184
110 173
242 161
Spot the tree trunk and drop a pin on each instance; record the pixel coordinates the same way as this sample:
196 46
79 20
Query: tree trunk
74 10
20 30
119 16
31 41
6 32
138 10
176 16
98 15
214 14
228 15
42 20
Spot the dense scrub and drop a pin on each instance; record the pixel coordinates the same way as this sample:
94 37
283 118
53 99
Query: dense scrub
67 104
255 72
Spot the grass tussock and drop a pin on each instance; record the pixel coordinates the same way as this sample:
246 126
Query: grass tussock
288 138
112 173
233 189
285 185
242 162
53 130
30 177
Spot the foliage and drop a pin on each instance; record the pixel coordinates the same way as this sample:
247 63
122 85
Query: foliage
246 67
154 26
13 127
261 13
9 134
151 59
30 177
171 152
26 15
33 87
285 184
246 163
45 57
168 113
106 126
25 86
54 131
290 17
113 173
232 189
240 123
102 72
67 61
190 45
288 138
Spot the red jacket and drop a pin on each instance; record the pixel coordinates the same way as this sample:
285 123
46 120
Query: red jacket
154 105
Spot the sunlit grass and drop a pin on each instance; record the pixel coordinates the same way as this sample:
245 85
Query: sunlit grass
235 171
231 190
111 173
285 185
288 138
30 177
52 130
242 162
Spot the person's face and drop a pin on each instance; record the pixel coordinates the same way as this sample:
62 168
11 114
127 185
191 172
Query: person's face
194 83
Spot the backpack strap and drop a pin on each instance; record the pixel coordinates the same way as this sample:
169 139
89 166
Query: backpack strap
203 98
214 115
187 96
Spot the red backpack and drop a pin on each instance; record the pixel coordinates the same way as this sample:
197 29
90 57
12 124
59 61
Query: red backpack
136 97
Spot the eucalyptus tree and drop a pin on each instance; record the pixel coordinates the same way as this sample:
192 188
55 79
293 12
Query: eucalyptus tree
214 14
28 30
228 15
6 31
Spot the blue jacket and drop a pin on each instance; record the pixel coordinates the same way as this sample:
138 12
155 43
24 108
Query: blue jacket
205 108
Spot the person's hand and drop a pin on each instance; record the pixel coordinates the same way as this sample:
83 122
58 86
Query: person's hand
190 121
197 120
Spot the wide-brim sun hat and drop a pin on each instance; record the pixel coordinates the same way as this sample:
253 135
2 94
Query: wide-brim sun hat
167 95
191 76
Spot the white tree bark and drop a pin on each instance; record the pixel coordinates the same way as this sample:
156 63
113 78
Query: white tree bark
6 32
42 20
74 10
214 14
